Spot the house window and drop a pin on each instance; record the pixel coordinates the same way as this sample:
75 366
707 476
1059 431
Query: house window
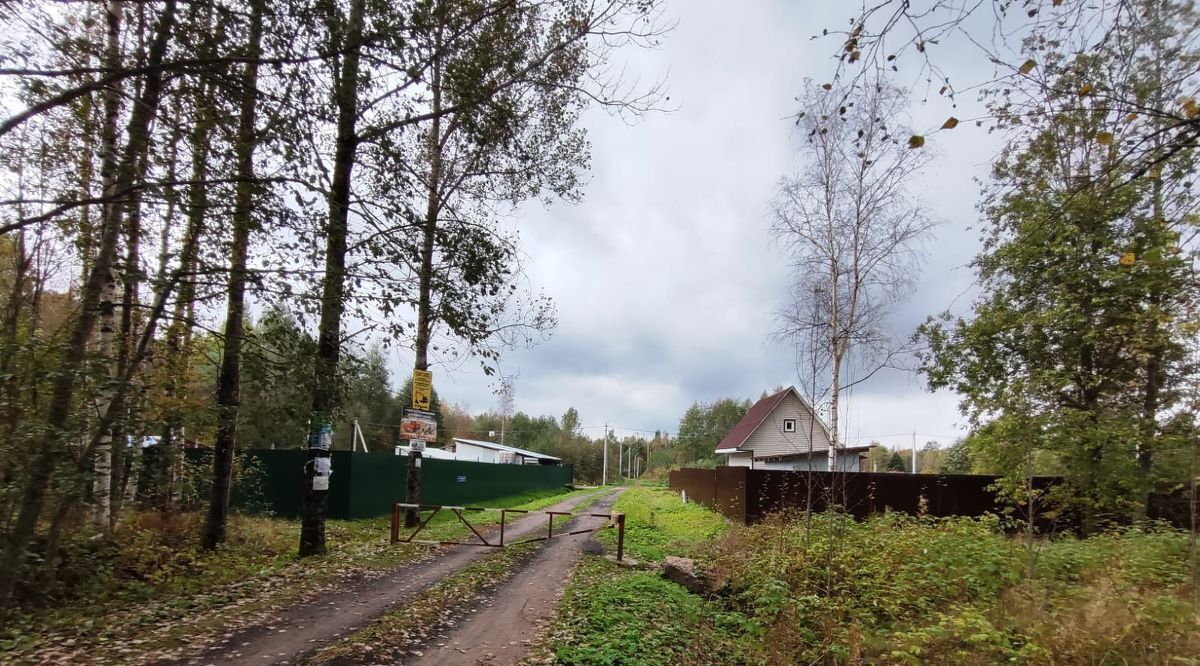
789 425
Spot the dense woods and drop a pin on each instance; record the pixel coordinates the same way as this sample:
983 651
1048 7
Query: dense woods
215 213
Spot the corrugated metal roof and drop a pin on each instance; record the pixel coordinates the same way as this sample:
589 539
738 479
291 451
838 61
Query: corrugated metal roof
430 452
510 449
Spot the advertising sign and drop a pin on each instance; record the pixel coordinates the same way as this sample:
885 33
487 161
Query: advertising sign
418 424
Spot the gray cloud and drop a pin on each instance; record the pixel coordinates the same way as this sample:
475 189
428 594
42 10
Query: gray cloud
665 276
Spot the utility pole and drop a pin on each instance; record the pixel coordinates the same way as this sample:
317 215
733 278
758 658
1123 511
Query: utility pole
604 474
914 452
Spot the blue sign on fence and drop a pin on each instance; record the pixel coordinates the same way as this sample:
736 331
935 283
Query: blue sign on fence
462 478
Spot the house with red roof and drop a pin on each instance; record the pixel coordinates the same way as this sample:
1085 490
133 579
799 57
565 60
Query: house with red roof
783 432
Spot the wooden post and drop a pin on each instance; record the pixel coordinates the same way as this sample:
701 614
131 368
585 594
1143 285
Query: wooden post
620 537
395 523
412 517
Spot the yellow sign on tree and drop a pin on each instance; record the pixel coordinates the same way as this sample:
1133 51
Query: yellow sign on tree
422 389
1128 259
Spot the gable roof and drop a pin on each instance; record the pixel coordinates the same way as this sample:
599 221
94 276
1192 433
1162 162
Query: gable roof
510 449
758 413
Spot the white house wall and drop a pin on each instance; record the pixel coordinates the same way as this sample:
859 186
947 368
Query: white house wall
739 460
847 461
472 453
769 440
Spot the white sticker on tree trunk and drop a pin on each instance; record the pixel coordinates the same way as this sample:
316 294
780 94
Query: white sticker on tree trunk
322 466
320 483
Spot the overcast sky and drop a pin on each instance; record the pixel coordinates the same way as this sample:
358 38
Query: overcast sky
665 277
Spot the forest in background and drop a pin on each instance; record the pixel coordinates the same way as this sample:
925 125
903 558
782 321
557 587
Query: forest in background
212 210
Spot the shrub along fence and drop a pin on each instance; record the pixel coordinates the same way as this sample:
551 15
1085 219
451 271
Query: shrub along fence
365 485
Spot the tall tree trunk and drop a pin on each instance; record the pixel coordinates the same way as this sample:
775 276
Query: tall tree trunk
102 471
114 15
132 276
123 384
166 467
324 401
86 167
196 211
49 448
433 209
835 352
102 484
229 377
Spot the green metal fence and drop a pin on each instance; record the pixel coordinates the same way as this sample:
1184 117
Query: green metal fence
364 485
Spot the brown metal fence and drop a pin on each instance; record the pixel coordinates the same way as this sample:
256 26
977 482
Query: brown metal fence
747 495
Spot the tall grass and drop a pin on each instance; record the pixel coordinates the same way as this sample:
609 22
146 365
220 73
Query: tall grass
901 589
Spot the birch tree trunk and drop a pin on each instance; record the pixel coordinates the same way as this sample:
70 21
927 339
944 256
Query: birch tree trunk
102 471
114 16
49 449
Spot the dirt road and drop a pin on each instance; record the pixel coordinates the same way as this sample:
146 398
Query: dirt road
500 633
309 627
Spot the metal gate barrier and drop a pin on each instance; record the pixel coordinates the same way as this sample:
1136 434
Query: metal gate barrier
616 520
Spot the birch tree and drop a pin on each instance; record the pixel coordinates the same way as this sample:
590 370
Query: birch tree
60 408
852 230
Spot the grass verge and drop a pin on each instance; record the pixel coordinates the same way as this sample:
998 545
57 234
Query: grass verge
612 615
658 523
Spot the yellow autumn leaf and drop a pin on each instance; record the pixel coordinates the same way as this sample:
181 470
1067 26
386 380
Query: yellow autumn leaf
950 123
1191 108
1085 89
916 141
1104 138
1131 117
1027 66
